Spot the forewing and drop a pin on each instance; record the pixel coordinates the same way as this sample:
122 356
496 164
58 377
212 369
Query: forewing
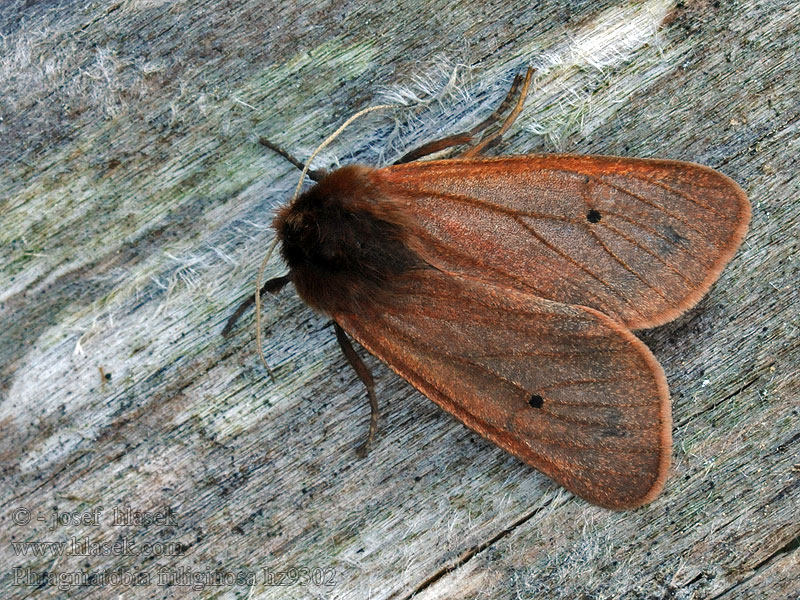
640 240
564 388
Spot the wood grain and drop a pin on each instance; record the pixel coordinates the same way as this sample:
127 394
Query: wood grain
135 202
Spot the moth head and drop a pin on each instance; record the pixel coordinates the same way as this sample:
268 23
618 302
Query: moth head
325 227
345 237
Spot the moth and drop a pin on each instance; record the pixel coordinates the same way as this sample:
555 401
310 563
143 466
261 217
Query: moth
507 290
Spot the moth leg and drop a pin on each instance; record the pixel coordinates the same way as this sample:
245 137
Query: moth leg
467 136
313 174
272 286
507 101
494 137
435 146
366 377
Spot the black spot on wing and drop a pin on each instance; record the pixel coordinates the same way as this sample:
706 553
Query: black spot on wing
671 240
612 426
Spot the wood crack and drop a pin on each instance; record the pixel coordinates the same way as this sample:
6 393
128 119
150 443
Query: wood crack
716 405
791 546
471 552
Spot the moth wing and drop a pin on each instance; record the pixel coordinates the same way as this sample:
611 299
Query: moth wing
564 388
640 240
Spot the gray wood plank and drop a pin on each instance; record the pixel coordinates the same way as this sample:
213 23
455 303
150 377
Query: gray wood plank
136 205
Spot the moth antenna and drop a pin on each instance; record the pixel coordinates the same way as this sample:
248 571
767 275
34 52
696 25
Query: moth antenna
314 174
329 139
305 170
259 277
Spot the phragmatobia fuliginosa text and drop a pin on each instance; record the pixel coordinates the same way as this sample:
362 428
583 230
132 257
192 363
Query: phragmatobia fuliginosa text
506 290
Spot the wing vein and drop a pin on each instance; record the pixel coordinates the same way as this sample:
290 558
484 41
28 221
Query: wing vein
601 404
549 354
588 421
472 201
645 249
625 266
463 256
583 268
680 193
652 231
650 204
527 310
570 383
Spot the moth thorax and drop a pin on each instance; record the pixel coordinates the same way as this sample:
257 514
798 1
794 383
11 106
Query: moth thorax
342 232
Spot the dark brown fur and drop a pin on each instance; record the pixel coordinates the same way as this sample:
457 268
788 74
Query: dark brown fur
344 242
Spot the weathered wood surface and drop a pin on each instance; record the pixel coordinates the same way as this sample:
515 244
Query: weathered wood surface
136 204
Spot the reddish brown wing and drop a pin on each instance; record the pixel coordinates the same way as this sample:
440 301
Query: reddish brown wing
639 240
564 388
